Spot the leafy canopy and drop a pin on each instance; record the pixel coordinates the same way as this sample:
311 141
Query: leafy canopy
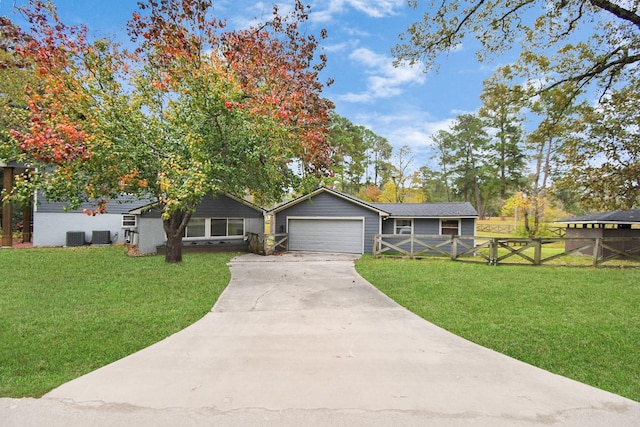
192 108
578 41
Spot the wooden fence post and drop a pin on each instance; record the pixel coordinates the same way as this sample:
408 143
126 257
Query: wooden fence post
7 230
537 251
412 241
454 247
596 251
493 251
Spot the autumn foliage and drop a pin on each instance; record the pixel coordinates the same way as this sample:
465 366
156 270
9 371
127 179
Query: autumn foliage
192 109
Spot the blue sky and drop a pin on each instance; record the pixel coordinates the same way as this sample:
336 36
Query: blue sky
404 105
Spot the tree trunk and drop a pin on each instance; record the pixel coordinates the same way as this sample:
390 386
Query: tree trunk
527 229
479 204
174 229
173 252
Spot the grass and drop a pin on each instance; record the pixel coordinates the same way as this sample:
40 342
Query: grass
580 323
66 312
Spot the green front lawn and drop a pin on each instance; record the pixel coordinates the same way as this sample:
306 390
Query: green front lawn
66 312
582 323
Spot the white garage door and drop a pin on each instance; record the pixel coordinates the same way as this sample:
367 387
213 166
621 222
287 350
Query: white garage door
326 235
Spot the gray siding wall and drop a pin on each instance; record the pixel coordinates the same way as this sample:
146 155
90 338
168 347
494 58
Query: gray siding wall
254 225
328 205
151 233
426 226
388 226
50 229
118 206
225 207
431 226
468 227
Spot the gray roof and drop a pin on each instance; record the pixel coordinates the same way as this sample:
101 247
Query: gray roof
400 210
631 216
429 210
340 194
153 204
121 205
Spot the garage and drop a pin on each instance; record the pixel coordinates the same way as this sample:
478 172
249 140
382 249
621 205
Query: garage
326 234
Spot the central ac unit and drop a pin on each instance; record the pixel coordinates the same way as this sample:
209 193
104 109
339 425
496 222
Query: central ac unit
75 238
101 237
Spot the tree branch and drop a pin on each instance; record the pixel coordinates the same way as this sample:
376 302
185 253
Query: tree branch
618 11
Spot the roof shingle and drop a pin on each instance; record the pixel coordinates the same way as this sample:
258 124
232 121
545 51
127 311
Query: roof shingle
428 210
629 216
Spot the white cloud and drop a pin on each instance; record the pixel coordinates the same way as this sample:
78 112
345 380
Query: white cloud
376 8
371 8
340 47
384 80
254 14
409 127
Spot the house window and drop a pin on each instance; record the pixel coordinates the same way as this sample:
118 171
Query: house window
219 227
227 227
129 221
235 227
196 228
450 227
214 227
403 226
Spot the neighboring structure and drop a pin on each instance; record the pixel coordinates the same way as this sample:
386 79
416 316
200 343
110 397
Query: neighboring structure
619 224
54 225
219 223
9 171
327 220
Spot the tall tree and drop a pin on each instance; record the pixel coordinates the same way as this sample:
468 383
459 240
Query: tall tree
433 185
381 154
351 144
603 155
446 157
193 109
577 47
501 107
556 124
469 147
403 160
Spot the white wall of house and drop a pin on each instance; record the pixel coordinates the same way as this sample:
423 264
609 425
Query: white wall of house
50 229
150 235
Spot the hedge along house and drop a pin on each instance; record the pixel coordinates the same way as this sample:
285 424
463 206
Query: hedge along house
219 223
327 220
619 224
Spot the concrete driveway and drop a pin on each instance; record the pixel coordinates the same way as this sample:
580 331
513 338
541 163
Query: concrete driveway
302 339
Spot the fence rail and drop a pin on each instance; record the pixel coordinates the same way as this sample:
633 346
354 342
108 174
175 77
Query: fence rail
496 228
268 244
510 229
497 250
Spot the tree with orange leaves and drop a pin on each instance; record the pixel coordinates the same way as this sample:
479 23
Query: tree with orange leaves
193 109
